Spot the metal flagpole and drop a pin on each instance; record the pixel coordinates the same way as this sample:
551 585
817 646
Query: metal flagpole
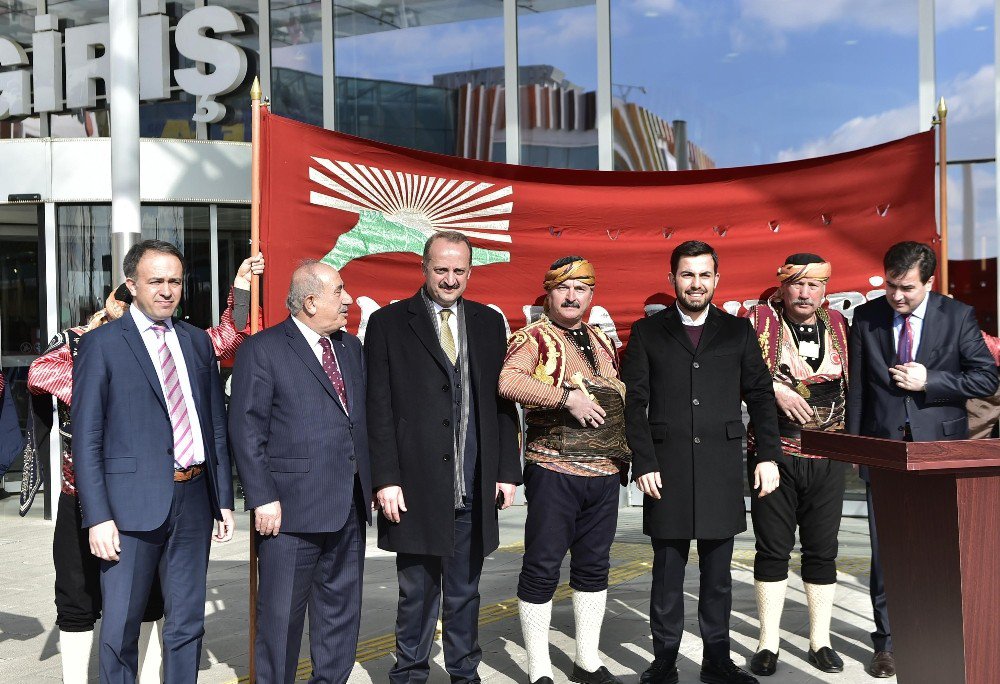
941 121
255 104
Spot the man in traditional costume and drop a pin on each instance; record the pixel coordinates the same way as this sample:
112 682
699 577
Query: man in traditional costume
78 584
565 375
805 348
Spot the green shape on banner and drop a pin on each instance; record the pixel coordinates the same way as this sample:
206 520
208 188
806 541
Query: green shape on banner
376 234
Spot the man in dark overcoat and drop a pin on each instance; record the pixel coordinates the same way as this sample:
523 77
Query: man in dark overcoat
444 453
686 369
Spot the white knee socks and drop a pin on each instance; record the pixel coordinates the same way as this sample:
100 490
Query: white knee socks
770 603
150 653
535 619
820 600
588 611
75 648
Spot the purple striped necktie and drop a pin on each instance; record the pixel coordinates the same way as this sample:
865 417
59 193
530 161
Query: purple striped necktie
905 349
176 406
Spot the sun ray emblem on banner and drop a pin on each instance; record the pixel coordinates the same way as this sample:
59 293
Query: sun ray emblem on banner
398 211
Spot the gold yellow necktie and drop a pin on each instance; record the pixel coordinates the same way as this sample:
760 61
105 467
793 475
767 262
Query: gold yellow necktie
447 339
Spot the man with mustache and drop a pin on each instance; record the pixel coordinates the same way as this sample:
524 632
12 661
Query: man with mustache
805 349
444 455
565 375
298 429
686 370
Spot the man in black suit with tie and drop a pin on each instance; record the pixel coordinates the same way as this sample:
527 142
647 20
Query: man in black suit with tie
686 370
152 465
916 357
298 429
444 455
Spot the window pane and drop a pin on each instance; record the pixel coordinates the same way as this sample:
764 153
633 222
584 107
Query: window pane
297 60
188 228
234 246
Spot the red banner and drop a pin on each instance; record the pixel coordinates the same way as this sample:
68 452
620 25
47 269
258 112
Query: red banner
367 208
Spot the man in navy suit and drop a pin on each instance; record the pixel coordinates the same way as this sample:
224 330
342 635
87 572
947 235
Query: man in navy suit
916 357
298 427
152 464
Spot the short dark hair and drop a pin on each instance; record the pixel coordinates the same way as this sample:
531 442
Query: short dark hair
903 256
130 265
449 236
804 259
692 248
559 263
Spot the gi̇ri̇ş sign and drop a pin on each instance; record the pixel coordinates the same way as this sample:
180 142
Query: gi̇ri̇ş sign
65 66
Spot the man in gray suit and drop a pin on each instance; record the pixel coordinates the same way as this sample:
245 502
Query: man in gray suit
916 357
298 429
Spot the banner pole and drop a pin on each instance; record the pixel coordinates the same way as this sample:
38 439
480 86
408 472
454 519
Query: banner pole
255 98
942 122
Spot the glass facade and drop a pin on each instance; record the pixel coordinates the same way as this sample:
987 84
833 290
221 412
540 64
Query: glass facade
754 84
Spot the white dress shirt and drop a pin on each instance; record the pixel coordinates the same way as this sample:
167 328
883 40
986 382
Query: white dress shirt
916 324
696 322
144 324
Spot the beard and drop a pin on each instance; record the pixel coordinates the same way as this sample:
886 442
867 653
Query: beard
695 306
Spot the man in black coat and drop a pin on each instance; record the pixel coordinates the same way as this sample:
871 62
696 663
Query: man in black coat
916 357
298 430
444 455
686 369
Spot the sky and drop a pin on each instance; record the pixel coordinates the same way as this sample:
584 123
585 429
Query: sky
758 81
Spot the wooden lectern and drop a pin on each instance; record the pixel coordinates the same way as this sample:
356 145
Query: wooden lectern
937 508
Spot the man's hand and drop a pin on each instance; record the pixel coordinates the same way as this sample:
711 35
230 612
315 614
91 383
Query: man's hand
650 484
793 405
250 266
585 410
766 478
911 376
390 500
104 542
508 494
267 518
224 528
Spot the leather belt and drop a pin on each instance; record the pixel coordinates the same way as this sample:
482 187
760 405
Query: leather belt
188 473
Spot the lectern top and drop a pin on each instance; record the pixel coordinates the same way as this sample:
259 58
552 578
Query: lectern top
896 454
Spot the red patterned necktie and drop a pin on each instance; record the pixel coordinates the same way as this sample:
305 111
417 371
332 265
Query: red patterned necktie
332 369
905 349
176 406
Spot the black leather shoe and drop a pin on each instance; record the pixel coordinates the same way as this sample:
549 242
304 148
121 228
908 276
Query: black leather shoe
882 665
660 671
764 663
826 659
599 676
543 680
725 672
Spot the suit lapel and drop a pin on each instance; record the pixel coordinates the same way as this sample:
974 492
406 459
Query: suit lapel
672 322
420 321
884 333
474 334
712 324
930 329
134 341
298 344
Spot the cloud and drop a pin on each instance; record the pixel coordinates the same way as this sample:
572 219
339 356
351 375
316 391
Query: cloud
894 16
970 123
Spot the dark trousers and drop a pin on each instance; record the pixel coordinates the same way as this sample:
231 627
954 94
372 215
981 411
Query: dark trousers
422 582
811 496
179 550
715 599
882 636
321 570
78 574
567 513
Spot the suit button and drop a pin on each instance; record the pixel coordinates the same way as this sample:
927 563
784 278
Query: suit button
446 457
170 452
697 440
695 365
695 402
900 428
444 388
446 422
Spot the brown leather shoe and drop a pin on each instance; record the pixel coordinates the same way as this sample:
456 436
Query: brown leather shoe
882 665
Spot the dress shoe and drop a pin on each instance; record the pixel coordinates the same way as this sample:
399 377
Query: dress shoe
882 665
764 663
725 672
598 676
826 659
543 680
660 671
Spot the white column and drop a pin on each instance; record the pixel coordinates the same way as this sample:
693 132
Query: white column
213 242
54 485
927 86
329 63
511 86
605 123
264 56
123 94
